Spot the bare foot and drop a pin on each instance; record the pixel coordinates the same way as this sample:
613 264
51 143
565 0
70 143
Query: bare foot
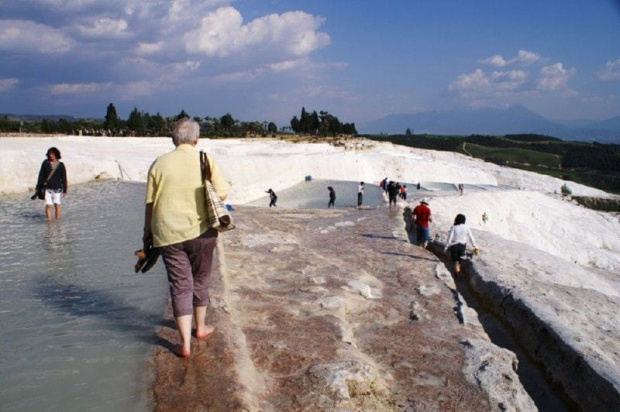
182 352
205 332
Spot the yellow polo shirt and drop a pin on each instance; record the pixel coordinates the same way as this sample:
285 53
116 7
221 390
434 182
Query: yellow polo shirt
174 187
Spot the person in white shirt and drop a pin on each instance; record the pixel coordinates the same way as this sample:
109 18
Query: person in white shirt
457 241
360 195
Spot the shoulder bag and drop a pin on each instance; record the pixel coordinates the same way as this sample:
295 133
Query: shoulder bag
218 217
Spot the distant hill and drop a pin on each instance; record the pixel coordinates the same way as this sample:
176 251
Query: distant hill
35 117
512 120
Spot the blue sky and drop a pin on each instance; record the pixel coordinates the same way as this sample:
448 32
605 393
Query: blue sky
265 59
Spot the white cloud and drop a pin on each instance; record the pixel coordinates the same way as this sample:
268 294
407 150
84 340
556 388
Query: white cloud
611 71
499 87
186 66
497 61
222 33
526 57
523 57
27 36
496 82
284 65
104 27
149 48
8 84
554 77
125 91
306 65
477 81
510 80
67 4
240 76
132 90
79 88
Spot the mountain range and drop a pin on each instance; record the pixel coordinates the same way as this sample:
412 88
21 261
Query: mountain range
511 120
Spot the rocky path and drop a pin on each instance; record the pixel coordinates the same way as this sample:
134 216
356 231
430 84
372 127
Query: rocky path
334 310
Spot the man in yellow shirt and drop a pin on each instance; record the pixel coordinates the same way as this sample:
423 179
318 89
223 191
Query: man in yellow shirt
176 223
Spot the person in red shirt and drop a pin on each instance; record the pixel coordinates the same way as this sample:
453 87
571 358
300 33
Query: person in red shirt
421 217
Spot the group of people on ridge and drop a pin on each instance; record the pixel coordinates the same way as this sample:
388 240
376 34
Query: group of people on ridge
394 191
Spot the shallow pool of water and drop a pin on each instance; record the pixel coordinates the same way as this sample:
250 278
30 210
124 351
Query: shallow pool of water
77 324
313 194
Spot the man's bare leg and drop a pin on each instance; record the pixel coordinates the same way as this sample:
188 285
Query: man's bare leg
202 330
184 323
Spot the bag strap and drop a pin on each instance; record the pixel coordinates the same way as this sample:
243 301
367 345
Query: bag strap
205 166
51 173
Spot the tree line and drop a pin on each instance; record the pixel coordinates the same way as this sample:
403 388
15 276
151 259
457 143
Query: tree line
141 123
321 124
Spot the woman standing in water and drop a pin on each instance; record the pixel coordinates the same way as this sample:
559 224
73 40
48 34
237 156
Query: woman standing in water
53 180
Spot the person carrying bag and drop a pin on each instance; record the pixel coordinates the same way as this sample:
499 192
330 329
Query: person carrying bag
218 216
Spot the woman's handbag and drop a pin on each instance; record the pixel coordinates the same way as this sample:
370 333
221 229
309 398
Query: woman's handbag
218 216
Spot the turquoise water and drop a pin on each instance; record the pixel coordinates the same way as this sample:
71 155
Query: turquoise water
313 194
77 324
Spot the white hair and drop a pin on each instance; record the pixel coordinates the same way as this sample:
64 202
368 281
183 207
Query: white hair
186 131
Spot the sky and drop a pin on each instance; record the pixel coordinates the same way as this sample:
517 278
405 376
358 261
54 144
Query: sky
263 60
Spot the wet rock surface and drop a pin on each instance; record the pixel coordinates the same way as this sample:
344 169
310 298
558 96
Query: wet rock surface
334 310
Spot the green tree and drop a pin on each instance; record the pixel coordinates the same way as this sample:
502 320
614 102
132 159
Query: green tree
227 122
272 128
112 122
211 125
158 126
323 124
136 123
8 125
349 128
295 125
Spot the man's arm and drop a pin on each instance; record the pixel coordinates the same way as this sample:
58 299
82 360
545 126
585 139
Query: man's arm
147 236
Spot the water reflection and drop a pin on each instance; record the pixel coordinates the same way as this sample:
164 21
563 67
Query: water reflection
56 239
